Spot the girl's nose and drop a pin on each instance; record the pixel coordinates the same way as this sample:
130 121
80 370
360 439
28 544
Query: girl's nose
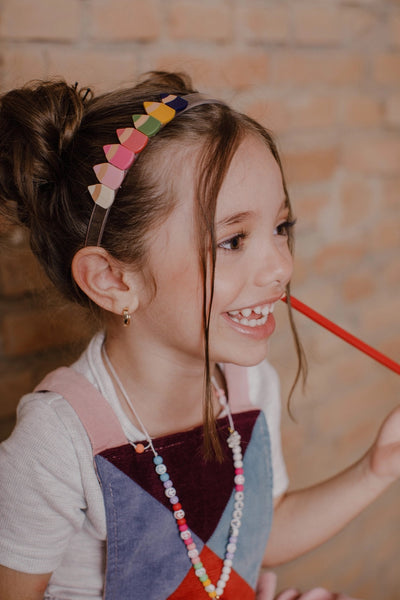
274 264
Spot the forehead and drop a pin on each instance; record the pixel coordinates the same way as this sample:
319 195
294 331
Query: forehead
254 178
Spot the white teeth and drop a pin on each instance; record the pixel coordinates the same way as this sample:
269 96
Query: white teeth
252 322
241 316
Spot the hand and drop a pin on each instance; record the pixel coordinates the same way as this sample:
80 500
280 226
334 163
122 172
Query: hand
384 455
266 588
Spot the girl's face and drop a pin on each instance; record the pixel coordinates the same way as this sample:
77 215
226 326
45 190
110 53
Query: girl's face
253 265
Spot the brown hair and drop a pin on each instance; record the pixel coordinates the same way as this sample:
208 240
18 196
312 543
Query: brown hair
51 136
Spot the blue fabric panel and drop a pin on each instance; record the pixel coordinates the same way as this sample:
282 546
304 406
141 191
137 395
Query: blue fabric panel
258 508
133 551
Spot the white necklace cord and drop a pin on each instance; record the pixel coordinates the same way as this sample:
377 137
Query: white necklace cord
128 400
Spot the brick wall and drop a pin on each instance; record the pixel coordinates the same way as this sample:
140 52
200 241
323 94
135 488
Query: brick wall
325 77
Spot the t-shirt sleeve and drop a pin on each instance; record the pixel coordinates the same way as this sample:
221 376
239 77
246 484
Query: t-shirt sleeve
41 495
264 392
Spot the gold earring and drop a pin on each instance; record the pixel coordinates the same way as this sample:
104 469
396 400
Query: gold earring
126 317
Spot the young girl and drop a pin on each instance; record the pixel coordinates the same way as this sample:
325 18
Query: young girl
129 474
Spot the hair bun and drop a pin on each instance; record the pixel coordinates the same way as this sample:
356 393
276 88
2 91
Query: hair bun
37 126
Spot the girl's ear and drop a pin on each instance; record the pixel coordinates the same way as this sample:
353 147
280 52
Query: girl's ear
105 281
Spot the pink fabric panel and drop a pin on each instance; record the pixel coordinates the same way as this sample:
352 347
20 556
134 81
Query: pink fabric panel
91 407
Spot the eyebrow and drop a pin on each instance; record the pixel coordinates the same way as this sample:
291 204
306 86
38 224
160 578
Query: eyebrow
242 216
236 218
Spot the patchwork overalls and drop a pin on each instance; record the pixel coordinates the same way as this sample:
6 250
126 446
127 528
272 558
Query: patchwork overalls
145 556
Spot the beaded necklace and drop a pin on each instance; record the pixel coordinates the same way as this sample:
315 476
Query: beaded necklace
233 441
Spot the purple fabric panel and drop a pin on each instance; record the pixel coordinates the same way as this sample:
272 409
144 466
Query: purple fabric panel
204 488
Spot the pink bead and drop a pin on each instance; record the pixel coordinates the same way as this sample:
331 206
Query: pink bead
239 471
195 560
183 527
191 546
189 541
239 488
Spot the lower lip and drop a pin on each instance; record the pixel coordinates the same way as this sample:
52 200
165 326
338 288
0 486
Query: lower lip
259 332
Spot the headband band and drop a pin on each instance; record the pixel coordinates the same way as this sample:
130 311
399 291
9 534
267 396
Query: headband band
121 156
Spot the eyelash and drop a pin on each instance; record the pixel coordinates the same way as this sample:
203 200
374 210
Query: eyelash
285 227
238 236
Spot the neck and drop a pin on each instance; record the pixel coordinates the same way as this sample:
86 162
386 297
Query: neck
166 390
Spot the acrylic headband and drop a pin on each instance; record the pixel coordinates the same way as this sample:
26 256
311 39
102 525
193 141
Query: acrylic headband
120 156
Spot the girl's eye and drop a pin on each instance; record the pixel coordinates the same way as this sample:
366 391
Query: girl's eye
284 228
234 243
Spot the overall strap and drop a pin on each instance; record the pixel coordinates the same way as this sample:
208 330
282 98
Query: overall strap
238 387
97 416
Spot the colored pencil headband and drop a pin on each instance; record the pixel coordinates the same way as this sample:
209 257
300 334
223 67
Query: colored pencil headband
120 156
345 335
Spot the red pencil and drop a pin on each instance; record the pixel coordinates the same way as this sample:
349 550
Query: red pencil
345 335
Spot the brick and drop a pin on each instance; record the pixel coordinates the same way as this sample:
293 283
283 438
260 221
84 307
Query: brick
356 200
21 64
42 20
389 197
331 258
356 287
100 70
308 165
12 386
238 71
20 273
374 155
360 110
200 21
299 113
325 25
258 23
386 68
394 30
392 110
385 234
125 20
307 68
381 317
25 332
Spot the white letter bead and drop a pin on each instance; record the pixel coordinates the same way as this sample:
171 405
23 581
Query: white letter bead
200 572
160 469
228 562
225 577
170 492
221 584
179 514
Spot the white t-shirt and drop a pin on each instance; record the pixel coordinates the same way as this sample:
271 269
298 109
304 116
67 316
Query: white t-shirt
52 514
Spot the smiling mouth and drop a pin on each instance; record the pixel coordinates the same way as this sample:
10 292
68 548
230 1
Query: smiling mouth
252 317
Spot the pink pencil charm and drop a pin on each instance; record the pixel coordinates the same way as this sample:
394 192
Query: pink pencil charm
132 138
109 175
119 156
102 195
